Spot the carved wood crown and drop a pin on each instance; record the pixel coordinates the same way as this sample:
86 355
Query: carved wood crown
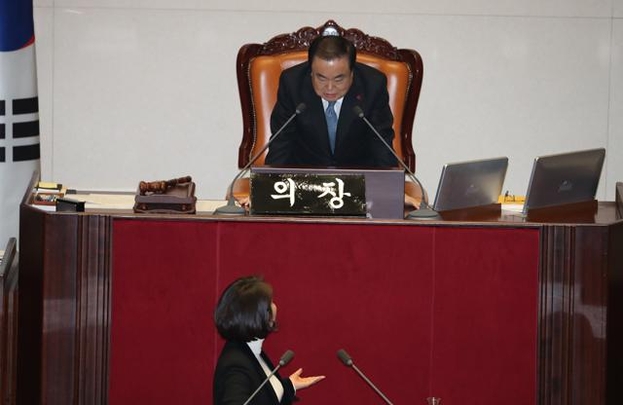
301 39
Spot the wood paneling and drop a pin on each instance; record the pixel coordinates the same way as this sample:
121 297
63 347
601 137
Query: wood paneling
8 323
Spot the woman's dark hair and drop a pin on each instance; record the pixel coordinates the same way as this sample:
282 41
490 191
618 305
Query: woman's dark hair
332 47
243 313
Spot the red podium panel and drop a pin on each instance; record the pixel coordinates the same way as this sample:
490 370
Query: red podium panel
420 308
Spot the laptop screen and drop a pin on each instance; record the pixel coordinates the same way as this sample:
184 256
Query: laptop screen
384 188
470 184
564 178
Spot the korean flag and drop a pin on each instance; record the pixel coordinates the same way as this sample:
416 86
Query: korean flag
19 111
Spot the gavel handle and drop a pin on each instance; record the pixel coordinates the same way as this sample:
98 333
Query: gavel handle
180 180
162 186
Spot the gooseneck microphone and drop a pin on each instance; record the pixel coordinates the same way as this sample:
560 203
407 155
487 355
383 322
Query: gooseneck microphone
285 359
348 362
425 211
231 208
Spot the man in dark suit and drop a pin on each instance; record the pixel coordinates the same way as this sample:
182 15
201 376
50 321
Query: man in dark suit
331 82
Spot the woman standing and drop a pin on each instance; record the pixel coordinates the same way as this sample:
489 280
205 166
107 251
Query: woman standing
245 315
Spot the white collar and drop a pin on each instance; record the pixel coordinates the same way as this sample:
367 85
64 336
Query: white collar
338 103
256 346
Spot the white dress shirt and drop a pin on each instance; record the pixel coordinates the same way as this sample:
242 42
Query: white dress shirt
256 348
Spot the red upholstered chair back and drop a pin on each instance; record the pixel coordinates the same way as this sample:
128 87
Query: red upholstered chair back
260 65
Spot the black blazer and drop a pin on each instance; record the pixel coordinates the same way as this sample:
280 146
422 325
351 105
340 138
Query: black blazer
238 374
305 141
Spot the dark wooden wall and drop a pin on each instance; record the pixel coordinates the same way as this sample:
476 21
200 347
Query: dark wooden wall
8 323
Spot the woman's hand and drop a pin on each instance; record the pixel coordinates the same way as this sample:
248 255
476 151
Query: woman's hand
303 382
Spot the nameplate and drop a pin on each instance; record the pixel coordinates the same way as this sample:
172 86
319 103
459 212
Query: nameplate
325 194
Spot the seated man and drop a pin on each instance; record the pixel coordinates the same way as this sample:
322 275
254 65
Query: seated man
329 132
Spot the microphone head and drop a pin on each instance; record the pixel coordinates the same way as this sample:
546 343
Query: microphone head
344 357
286 358
300 108
358 111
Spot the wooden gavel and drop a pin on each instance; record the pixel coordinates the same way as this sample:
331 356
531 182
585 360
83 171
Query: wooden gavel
160 187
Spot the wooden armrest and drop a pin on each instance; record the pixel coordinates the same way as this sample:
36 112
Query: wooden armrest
241 189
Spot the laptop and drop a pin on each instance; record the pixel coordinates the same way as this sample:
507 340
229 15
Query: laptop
384 188
564 178
470 184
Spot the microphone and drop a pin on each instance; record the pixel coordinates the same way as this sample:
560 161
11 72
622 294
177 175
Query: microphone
285 359
425 211
348 362
231 208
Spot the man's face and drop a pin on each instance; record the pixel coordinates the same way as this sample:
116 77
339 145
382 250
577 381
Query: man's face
331 78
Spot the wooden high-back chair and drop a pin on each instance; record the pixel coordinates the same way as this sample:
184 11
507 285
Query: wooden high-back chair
259 66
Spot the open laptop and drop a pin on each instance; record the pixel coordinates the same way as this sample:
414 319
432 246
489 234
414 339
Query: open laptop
470 184
564 178
384 188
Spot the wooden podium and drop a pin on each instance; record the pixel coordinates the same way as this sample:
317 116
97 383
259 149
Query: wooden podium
8 322
116 307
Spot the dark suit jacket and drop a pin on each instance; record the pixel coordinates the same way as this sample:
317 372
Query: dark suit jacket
305 141
238 374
